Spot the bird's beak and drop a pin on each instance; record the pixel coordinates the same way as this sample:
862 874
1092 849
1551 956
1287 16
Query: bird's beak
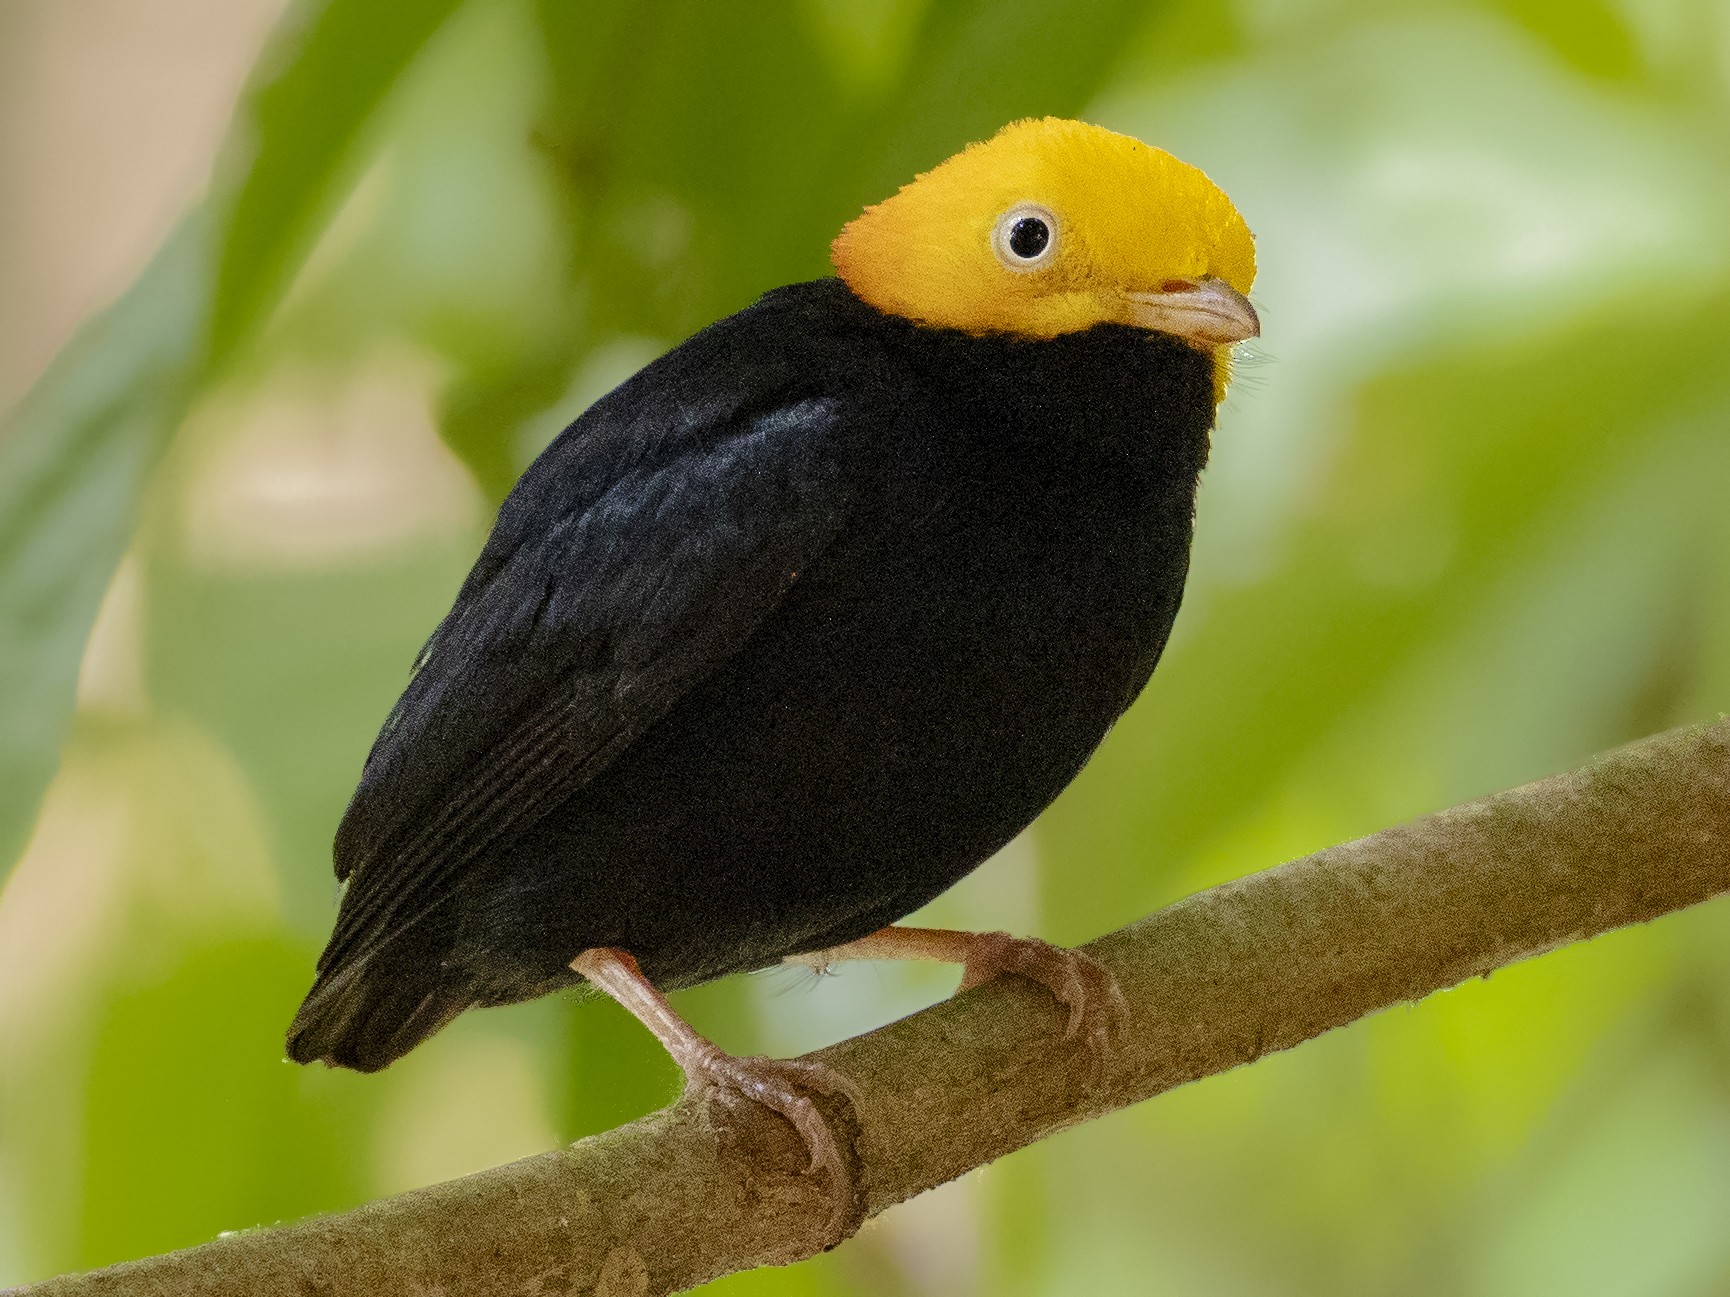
1207 312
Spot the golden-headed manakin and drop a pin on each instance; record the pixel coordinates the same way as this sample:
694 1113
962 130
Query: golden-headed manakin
805 620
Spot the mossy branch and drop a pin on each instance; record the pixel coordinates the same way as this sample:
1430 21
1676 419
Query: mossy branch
1215 981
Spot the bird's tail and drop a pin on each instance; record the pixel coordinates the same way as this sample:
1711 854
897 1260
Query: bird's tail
368 1013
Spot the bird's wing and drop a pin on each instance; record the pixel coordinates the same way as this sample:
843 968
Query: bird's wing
636 555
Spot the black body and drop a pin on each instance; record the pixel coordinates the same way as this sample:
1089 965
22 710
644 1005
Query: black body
772 645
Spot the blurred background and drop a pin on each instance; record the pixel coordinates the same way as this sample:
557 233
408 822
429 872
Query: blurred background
290 293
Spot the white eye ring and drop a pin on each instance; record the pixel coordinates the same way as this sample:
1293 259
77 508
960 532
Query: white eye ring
1017 241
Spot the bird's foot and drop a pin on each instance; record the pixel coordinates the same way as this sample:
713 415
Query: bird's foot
789 1087
1097 1008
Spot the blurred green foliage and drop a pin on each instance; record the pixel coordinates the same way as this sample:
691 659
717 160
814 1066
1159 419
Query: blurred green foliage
1465 525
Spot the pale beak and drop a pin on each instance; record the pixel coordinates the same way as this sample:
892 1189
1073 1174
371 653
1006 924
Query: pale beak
1207 312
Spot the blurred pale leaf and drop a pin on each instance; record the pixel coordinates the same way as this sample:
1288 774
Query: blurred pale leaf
1592 35
977 64
1633 1207
74 459
327 71
78 452
335 649
197 1123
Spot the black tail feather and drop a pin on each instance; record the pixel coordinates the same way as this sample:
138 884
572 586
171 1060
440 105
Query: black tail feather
367 1014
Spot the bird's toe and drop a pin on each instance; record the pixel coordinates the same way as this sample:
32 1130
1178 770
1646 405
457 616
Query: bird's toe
790 1088
1097 1008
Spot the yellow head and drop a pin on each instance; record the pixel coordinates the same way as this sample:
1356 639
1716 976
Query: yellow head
1054 226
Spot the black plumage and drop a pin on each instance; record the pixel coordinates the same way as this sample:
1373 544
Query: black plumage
771 646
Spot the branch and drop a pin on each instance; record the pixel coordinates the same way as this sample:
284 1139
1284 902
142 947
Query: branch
1215 981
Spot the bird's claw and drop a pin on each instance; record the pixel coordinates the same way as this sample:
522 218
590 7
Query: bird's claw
785 1086
1097 1008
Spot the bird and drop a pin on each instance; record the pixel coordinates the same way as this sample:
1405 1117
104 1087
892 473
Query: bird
805 620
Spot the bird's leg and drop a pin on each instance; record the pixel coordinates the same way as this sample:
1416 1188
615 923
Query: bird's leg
783 1085
1096 1005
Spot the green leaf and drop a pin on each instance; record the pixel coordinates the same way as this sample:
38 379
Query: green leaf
318 87
74 461
196 1124
978 64
78 453
681 213
751 198
1592 36
334 645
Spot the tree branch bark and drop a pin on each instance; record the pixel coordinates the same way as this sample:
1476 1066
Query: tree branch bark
1215 981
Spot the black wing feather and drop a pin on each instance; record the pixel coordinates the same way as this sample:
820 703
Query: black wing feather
638 553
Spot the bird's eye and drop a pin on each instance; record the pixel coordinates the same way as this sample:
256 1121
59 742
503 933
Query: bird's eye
1025 237
1028 237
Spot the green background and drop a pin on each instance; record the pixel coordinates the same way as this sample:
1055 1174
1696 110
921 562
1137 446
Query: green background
1466 524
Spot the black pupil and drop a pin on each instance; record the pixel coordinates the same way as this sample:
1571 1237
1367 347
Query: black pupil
1028 237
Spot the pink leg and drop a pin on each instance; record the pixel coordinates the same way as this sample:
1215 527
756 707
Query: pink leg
783 1085
1096 1005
